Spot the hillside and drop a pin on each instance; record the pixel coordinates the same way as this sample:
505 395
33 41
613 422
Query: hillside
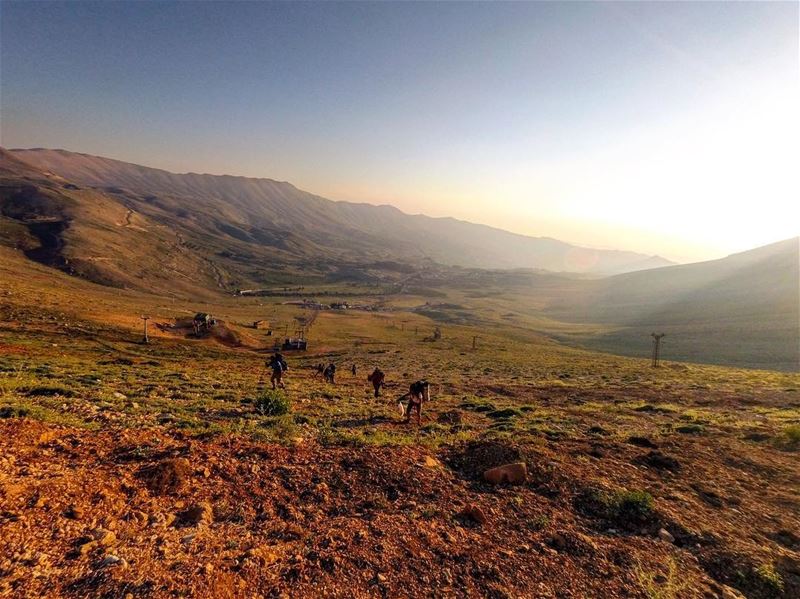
742 310
148 470
274 214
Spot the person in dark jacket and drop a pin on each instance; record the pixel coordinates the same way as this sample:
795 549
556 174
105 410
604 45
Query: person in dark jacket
330 373
278 366
377 379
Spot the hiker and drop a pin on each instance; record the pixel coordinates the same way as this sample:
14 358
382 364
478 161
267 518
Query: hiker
330 373
418 392
353 370
279 366
376 378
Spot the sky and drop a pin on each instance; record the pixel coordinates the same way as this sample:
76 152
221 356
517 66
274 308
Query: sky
669 128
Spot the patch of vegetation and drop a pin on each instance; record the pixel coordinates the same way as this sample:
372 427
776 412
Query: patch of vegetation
273 403
768 577
47 391
791 436
657 585
690 429
505 413
626 508
11 412
478 406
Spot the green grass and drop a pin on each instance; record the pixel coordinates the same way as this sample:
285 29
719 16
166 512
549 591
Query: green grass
273 403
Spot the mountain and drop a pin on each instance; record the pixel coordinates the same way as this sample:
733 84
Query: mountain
741 310
263 213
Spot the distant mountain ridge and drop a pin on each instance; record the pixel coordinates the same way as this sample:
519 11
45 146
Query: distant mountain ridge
742 310
269 212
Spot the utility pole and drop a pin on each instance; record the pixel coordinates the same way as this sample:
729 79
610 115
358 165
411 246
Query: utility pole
657 347
474 342
145 339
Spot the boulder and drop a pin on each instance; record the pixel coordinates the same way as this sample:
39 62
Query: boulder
474 513
513 474
664 535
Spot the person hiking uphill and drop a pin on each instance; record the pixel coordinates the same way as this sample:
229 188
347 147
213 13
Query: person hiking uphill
376 378
330 373
278 366
418 392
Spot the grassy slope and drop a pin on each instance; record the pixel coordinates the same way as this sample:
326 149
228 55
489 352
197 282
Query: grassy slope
67 346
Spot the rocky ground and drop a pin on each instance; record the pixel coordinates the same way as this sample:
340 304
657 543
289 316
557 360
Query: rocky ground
130 513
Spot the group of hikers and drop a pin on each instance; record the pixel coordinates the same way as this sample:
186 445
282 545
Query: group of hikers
418 392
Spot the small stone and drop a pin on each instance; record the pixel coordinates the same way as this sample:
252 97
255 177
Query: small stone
664 535
118 395
74 512
431 462
263 555
88 547
103 536
112 560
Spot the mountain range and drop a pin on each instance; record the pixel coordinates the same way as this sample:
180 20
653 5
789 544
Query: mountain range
236 224
130 226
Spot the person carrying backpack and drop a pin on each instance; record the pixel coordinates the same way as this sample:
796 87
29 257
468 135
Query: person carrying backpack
278 366
376 378
330 373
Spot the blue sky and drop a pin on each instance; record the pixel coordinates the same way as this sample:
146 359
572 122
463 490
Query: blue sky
625 125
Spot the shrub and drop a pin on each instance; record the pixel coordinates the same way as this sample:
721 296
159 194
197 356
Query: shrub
792 434
272 403
627 508
767 576
690 429
505 413
48 391
636 506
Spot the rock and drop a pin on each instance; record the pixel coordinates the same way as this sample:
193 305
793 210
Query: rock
513 474
731 593
200 513
118 395
263 555
74 512
102 536
431 462
474 513
87 547
572 542
162 520
664 535
113 560
139 517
